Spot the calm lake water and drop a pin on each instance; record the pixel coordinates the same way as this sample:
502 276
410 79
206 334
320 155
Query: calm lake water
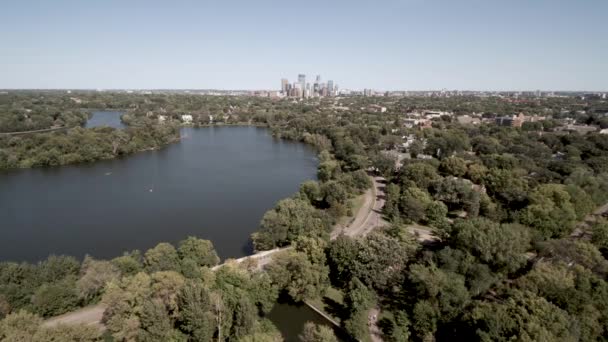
215 184
105 118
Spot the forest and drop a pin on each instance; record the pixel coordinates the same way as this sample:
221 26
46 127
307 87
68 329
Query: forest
517 254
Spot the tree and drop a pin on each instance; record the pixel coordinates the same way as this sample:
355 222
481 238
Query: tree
196 315
129 263
446 292
155 322
422 174
289 219
550 211
76 333
328 170
57 267
381 260
317 333
500 246
575 252
453 166
414 203
96 275
384 163
200 251
599 236
358 297
312 191
506 186
124 299
300 278
391 205
19 326
342 256
476 173
398 327
163 257
521 316
436 215
166 286
444 143
52 299
582 202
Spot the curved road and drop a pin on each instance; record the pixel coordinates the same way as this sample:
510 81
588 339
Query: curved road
367 218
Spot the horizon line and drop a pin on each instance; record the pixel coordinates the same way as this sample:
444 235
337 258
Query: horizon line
348 89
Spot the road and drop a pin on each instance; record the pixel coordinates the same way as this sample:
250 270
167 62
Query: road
367 218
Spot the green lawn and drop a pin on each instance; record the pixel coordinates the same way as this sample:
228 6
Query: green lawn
331 304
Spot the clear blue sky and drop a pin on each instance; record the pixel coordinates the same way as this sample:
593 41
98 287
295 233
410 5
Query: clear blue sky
252 44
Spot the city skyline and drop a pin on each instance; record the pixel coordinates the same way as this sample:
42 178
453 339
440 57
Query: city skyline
302 88
387 45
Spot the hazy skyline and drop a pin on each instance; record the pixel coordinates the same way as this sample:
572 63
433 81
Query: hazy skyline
384 45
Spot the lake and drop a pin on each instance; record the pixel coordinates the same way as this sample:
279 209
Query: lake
105 118
216 184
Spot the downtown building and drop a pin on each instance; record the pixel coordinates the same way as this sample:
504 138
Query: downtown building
303 89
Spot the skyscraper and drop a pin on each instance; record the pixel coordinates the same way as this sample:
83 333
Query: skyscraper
305 90
302 81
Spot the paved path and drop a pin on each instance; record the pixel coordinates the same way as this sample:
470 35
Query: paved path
46 130
370 214
90 315
367 218
374 332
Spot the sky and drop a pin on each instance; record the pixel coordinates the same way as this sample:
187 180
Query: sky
252 44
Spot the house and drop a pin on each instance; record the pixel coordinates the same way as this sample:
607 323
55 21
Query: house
511 121
162 118
376 108
604 131
410 123
468 120
581 129
187 119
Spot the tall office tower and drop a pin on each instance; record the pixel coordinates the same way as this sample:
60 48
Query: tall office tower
284 86
298 89
330 87
307 93
302 81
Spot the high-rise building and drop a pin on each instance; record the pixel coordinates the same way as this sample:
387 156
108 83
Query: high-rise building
302 81
302 89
